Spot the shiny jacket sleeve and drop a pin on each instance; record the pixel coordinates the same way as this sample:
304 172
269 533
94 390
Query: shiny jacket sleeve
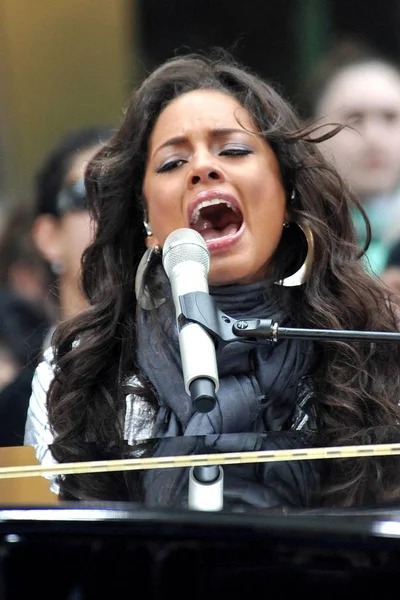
37 428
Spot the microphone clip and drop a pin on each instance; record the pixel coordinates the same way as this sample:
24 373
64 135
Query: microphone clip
200 308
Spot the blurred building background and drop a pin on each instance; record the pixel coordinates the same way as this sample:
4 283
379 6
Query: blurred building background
71 63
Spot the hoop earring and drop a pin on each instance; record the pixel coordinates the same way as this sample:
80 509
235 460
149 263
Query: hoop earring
147 229
143 296
302 274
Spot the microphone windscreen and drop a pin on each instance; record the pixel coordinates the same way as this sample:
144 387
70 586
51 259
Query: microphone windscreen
184 245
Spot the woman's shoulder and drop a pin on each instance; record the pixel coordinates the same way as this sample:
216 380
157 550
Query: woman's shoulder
44 372
48 356
37 428
139 415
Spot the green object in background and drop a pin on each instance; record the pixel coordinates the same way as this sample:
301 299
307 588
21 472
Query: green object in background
378 251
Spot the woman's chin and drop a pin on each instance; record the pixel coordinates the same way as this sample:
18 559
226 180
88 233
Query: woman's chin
230 272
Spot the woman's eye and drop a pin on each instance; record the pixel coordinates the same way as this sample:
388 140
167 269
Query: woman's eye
236 152
355 118
170 164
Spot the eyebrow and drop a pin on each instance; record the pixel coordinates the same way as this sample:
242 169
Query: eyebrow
215 133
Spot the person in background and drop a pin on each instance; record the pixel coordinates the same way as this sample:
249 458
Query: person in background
207 146
25 317
21 267
359 88
40 253
23 325
61 225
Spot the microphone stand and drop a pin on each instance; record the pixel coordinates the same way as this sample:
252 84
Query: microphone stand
206 482
206 487
199 307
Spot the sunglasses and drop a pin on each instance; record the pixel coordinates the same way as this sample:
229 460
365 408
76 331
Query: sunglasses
72 197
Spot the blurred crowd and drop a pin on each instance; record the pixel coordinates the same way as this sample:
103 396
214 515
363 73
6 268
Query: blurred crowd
41 246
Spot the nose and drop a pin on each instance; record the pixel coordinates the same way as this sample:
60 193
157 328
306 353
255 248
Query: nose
204 170
210 175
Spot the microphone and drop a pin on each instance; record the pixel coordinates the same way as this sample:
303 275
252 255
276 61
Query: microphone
186 261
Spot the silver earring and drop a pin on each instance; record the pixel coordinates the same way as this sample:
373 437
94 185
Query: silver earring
147 228
286 224
57 267
143 296
303 273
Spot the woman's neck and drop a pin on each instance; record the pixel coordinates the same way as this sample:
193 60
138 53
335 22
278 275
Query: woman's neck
71 300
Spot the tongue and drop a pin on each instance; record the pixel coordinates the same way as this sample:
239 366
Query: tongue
209 233
216 222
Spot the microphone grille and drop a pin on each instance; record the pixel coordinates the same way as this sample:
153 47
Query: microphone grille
184 245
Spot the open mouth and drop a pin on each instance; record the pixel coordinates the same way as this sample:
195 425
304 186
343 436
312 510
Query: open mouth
216 218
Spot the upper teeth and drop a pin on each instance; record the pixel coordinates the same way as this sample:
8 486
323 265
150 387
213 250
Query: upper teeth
214 201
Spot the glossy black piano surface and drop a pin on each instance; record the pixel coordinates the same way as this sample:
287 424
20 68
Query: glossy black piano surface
145 530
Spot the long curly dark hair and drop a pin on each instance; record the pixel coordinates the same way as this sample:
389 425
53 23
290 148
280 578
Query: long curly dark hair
357 384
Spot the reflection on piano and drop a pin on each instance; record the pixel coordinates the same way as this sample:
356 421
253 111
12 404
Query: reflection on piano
274 532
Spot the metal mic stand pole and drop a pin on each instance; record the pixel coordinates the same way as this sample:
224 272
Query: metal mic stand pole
206 482
206 488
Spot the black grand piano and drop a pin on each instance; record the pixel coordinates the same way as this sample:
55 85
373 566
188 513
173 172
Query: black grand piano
228 516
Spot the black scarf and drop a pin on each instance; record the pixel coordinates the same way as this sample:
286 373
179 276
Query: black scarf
257 383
